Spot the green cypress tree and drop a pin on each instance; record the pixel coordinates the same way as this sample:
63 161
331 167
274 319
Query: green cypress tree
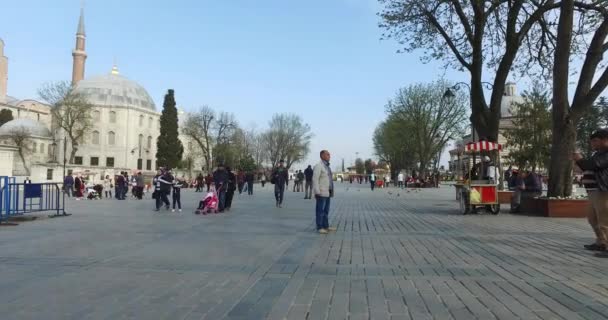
169 148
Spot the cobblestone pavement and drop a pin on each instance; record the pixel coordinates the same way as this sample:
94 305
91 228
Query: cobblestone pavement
395 256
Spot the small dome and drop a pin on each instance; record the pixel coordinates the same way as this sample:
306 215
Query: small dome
35 129
114 90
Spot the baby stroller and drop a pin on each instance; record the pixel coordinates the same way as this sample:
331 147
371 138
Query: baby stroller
94 193
209 203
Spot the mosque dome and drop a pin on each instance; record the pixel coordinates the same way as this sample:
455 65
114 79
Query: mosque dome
34 128
116 91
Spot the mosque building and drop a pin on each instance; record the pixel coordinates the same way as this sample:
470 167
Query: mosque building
126 125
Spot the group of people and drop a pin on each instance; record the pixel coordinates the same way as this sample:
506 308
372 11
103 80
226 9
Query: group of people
166 184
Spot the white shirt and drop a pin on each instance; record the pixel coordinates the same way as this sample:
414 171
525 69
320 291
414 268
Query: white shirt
400 177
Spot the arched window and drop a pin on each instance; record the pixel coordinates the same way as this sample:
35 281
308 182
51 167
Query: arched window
149 142
42 148
112 116
149 122
34 147
140 141
141 120
111 138
96 115
95 137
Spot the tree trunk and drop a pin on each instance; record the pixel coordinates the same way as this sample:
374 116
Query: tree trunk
560 168
27 170
73 152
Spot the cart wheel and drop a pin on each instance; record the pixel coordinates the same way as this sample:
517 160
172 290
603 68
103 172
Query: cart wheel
495 209
464 206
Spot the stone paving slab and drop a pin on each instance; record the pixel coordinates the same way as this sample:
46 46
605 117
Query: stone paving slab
396 255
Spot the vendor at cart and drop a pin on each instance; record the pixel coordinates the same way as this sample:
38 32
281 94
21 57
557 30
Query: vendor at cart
490 170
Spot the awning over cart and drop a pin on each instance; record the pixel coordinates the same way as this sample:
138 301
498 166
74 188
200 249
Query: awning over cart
483 146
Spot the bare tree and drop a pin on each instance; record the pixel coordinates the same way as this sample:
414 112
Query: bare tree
20 137
208 130
470 36
70 111
287 138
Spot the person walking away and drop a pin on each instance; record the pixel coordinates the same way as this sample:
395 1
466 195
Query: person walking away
400 180
323 188
372 180
301 178
249 179
177 195
164 181
68 185
139 186
598 164
295 181
280 178
263 179
199 183
120 185
208 181
230 188
240 180
107 187
126 186
220 178
308 186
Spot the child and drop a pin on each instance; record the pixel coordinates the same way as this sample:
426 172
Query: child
177 194
209 203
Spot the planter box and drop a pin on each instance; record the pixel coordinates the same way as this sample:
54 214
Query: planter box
554 208
504 197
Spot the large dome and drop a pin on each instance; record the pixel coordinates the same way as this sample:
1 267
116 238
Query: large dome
33 128
115 90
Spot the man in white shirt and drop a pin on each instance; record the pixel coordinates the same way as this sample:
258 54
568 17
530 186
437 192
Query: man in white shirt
323 188
400 179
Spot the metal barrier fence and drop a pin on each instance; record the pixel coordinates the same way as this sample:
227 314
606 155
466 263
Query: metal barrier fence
17 199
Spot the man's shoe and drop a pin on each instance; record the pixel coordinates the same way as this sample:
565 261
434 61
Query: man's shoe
322 231
333 229
595 247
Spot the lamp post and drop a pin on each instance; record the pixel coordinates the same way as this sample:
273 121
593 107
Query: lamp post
65 151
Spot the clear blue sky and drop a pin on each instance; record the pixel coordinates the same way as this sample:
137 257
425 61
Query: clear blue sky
320 59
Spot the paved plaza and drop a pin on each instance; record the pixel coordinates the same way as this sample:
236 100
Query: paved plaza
396 255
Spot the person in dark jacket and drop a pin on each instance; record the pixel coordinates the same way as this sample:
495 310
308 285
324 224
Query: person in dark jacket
598 188
177 195
230 188
308 186
280 176
249 179
165 182
68 184
527 187
208 181
220 178
240 180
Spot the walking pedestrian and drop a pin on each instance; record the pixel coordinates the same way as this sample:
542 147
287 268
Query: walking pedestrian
323 187
372 180
164 182
249 179
598 189
240 179
208 181
68 185
177 195
79 186
280 178
199 183
263 179
308 186
220 178
301 178
120 185
400 179
230 188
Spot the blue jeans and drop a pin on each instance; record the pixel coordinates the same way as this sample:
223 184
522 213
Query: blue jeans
323 212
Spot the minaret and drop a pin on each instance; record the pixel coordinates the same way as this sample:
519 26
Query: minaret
3 73
79 54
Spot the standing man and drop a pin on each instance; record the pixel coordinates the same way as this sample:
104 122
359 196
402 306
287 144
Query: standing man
220 178
165 182
400 179
68 185
230 189
598 211
323 187
300 180
199 183
208 182
280 176
139 183
308 186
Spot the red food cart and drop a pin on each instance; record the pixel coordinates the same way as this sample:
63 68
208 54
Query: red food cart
480 193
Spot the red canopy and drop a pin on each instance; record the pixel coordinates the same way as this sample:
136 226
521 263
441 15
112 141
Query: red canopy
483 145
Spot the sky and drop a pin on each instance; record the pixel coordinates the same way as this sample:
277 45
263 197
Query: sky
320 59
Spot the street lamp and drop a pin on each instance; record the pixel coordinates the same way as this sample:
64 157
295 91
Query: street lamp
449 94
65 150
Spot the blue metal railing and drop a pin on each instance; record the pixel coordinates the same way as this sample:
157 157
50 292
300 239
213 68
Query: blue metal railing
17 199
